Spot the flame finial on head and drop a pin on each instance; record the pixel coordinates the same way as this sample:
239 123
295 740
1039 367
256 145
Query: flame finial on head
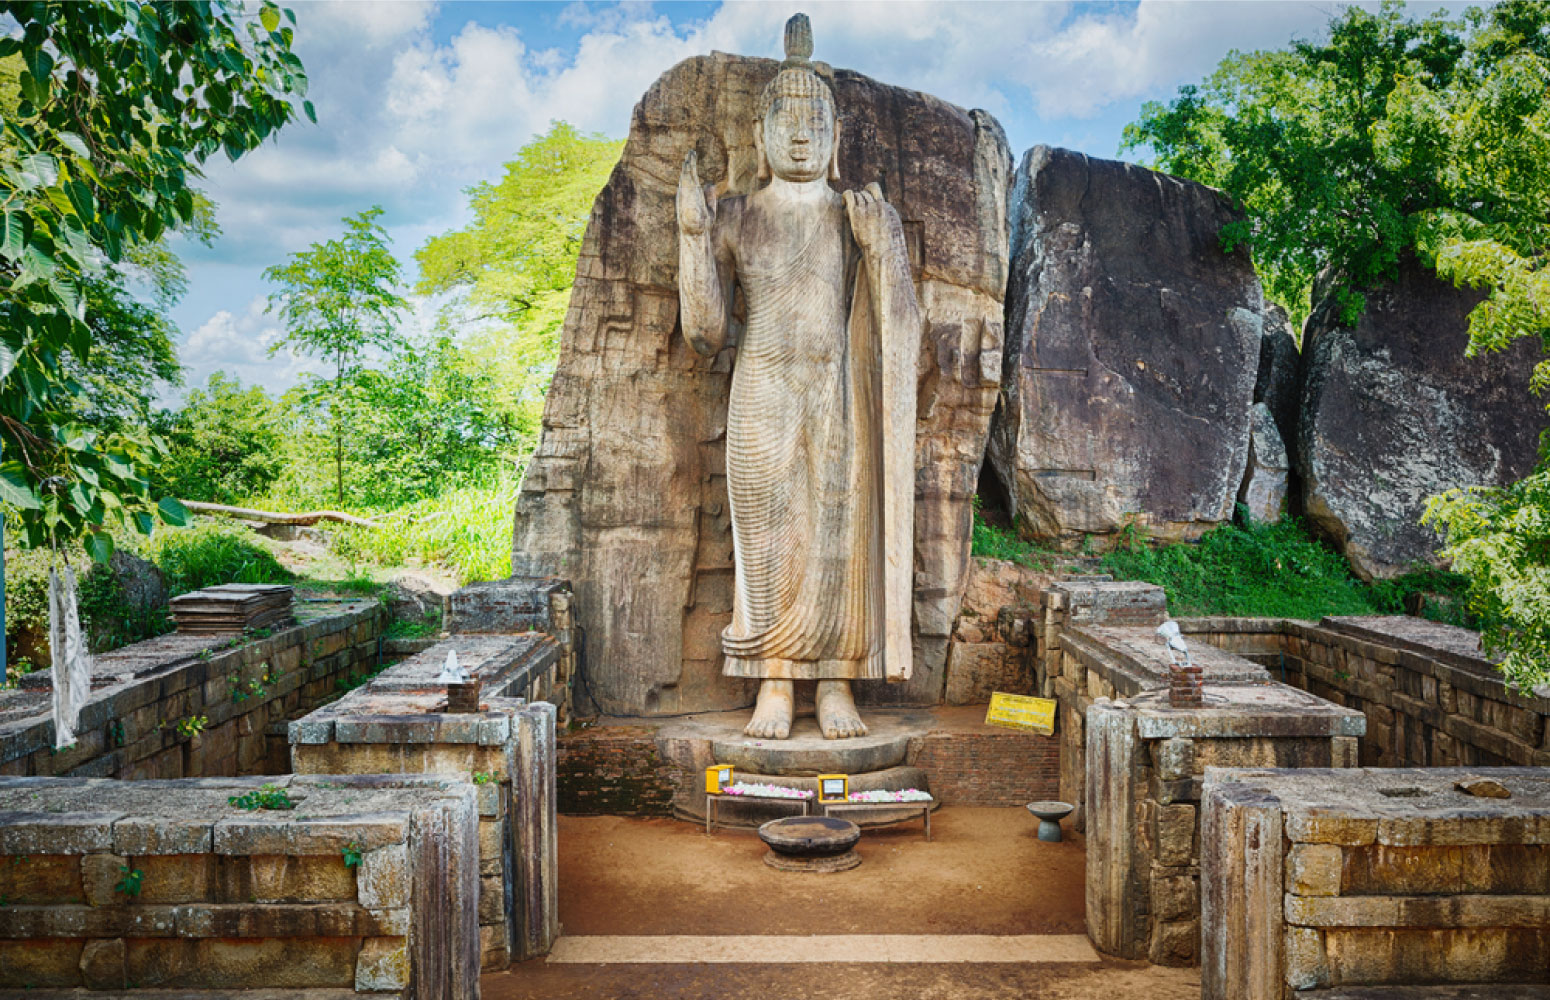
796 78
799 40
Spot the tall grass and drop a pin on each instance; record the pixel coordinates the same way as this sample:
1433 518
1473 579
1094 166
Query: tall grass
210 554
466 529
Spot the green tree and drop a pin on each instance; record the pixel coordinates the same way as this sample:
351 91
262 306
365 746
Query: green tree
120 103
338 300
430 420
511 269
1393 136
225 445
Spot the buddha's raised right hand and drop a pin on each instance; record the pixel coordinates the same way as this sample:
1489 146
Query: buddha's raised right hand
696 204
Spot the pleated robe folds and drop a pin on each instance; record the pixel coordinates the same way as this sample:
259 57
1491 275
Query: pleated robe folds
820 450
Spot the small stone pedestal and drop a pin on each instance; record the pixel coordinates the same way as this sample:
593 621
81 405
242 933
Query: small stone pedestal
811 844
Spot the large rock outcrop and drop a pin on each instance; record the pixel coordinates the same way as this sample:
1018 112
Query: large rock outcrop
626 494
1393 412
1133 346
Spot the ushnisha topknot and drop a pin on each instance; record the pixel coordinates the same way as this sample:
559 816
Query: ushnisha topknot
796 78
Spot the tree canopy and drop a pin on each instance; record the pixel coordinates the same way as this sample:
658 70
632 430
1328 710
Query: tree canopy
1393 136
114 106
510 270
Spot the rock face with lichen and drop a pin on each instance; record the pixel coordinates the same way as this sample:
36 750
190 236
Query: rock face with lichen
1132 352
626 493
1393 412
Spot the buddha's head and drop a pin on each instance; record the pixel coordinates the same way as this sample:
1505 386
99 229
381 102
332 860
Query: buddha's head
797 134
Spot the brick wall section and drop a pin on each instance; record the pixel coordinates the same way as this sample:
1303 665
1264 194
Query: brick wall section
989 769
1431 699
616 771
128 728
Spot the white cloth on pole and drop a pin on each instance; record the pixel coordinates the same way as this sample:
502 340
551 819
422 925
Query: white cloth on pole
72 663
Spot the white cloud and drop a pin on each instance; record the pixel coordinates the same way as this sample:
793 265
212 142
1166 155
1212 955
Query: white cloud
238 344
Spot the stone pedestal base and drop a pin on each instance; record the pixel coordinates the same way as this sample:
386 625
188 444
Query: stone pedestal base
835 863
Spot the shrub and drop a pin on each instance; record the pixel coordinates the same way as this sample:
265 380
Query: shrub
467 530
210 554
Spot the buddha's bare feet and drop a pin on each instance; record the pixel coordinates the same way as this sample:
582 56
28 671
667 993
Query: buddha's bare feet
772 713
837 715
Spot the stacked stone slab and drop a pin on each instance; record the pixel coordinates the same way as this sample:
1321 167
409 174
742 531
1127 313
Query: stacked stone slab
244 693
626 493
399 723
1133 348
368 886
1145 763
1331 885
1393 412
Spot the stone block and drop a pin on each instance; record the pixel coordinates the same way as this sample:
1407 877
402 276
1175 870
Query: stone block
1307 965
1175 837
492 899
234 963
56 833
383 965
1313 869
179 878
274 834
40 964
99 874
41 879
1174 942
1242 880
1175 897
276 878
1318 825
135 836
1343 751
102 965
383 878
1174 758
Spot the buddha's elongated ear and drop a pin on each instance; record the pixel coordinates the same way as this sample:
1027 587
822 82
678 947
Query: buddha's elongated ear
758 146
834 157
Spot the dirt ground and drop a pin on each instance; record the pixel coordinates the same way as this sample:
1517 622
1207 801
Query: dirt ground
984 872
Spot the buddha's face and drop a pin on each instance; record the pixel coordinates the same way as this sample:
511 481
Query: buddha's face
799 138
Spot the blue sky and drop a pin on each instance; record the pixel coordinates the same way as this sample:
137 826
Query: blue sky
418 100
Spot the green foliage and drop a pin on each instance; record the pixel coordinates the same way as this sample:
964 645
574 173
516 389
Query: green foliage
338 300
1499 539
353 854
107 617
483 777
512 267
129 884
266 797
225 445
992 542
1269 570
192 725
467 530
210 554
430 419
107 111
1393 136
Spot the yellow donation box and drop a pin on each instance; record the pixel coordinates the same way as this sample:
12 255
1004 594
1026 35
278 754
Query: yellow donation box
833 788
717 778
1021 711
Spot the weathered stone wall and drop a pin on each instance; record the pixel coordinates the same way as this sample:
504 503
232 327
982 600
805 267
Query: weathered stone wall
1146 762
1003 769
397 723
993 640
1431 697
1393 412
162 885
1319 880
247 692
1132 352
626 493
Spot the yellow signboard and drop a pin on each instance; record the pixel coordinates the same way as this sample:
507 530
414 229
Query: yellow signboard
1021 711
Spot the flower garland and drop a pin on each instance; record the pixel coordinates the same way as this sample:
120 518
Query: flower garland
755 790
887 795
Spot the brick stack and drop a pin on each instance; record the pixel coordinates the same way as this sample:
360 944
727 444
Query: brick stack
1184 690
